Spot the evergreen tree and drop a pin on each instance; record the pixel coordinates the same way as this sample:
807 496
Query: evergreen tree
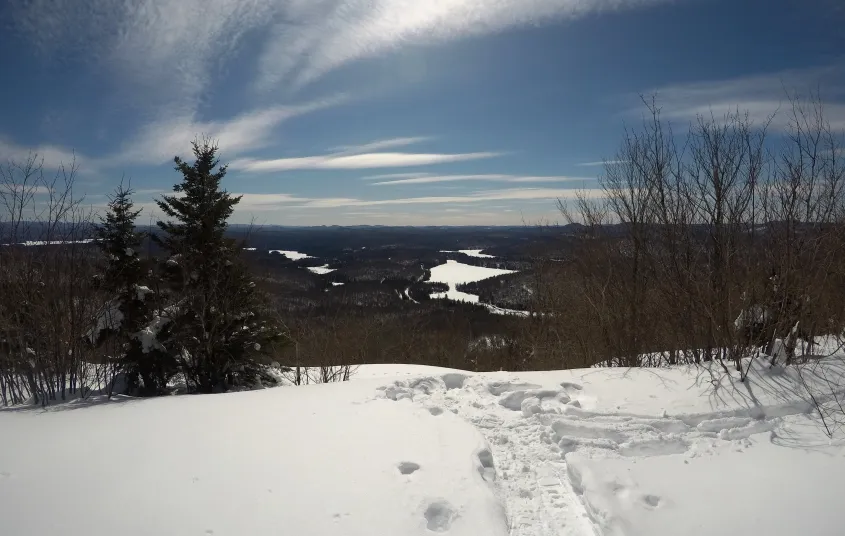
219 328
128 312
119 242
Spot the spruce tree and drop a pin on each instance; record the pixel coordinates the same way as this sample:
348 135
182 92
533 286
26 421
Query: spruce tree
128 311
119 242
219 323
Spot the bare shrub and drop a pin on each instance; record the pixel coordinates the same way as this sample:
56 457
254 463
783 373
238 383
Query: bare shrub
711 249
49 298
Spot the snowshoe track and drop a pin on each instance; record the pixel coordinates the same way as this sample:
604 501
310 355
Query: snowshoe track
529 430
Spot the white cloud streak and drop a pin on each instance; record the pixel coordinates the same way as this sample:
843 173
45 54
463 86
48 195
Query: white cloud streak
601 163
378 145
159 50
429 179
760 95
50 156
317 36
166 50
356 161
269 202
158 142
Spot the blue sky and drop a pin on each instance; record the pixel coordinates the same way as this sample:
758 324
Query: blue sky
431 112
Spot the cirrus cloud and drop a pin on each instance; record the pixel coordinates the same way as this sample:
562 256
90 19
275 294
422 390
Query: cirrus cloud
318 36
170 48
357 161
429 179
260 202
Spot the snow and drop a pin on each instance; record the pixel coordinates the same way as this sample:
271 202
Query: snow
315 460
418 450
109 318
292 255
471 253
141 292
408 295
31 243
454 273
503 311
321 270
148 336
662 493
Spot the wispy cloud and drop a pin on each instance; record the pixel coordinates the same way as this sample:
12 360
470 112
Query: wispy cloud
599 163
164 50
356 161
428 179
259 202
411 175
316 36
378 145
23 190
159 141
50 156
759 95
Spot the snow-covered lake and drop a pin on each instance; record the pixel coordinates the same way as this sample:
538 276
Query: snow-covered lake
292 255
454 273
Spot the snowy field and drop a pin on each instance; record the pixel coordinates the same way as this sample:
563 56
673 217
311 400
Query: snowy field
455 273
413 450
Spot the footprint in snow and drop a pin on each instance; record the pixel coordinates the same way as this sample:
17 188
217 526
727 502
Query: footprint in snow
453 380
499 388
407 468
439 516
487 470
651 500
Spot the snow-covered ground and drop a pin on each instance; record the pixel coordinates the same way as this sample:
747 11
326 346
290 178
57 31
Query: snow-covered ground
455 273
292 255
412 450
31 243
321 270
471 253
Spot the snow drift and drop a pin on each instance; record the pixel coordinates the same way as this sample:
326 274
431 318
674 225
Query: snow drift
407 450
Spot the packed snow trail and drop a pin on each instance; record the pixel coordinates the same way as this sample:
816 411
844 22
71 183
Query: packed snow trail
550 447
527 473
